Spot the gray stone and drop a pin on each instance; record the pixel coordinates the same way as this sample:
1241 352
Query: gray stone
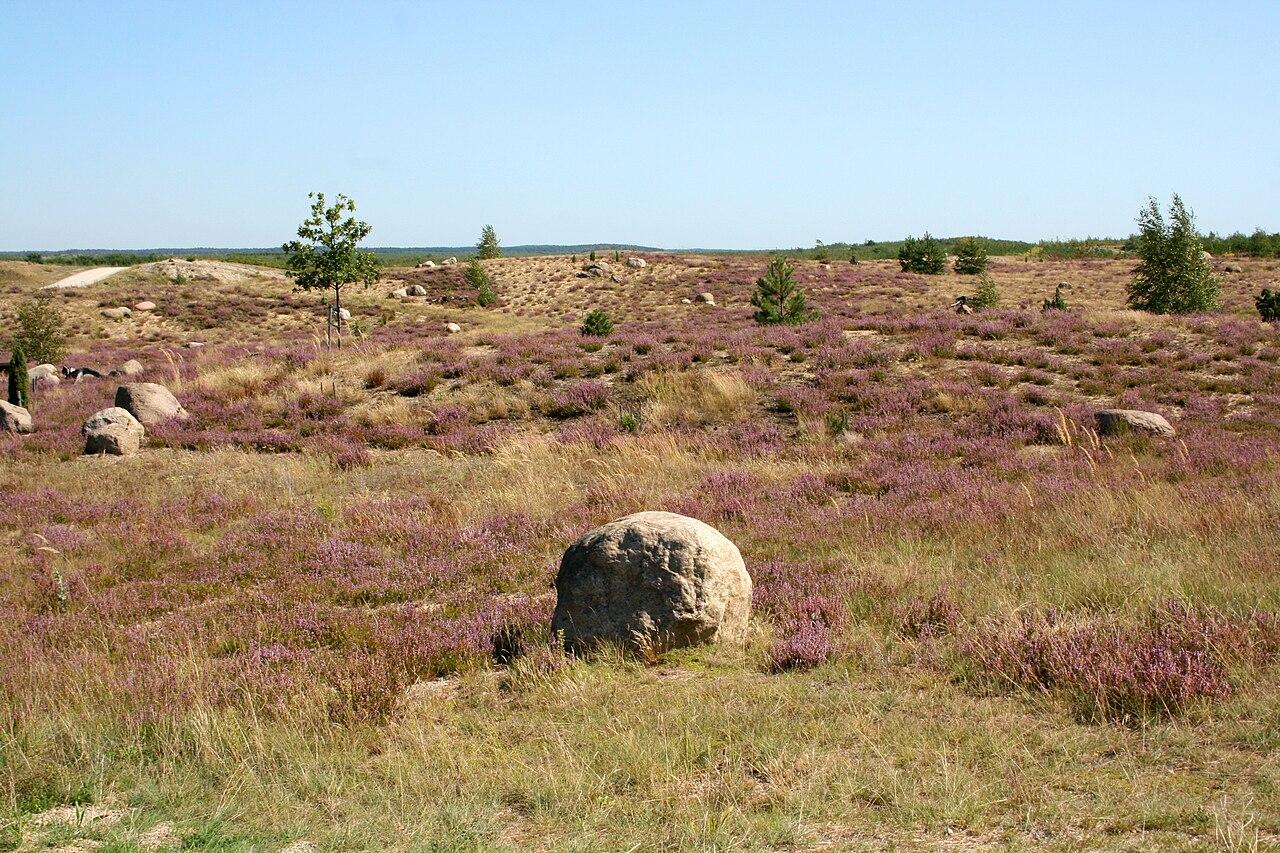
637 263
399 293
132 367
417 290
1119 421
113 431
15 419
116 313
149 402
145 305
452 328
652 581
707 298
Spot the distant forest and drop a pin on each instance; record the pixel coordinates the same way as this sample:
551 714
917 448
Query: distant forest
1257 244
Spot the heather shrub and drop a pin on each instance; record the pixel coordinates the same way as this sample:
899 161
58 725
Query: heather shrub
804 645
597 324
1268 304
985 295
925 255
778 299
1173 277
40 332
1114 671
971 257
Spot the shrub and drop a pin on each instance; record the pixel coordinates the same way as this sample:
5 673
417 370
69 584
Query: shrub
487 246
479 279
971 257
597 324
1174 276
1268 305
778 299
41 332
18 382
985 295
806 645
925 255
1057 303
629 422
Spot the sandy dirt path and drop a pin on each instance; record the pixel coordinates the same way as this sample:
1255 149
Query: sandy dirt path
84 278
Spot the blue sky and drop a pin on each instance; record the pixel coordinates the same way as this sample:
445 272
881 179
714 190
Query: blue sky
740 124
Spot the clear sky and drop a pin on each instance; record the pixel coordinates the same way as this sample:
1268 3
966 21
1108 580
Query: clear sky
733 125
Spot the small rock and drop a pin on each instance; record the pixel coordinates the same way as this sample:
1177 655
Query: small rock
1205 256
598 269
145 305
116 313
112 431
194 344
149 402
615 278
132 367
652 581
417 290
1232 268
637 263
449 262
15 419
1119 421
452 328
686 301
707 298
344 314
399 293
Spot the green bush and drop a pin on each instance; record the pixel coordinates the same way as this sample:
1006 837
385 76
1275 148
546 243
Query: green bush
1268 305
778 299
1173 277
487 246
41 332
985 295
19 384
480 280
971 256
597 324
1057 303
925 255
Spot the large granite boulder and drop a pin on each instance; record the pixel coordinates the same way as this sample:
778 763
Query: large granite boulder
15 419
1120 421
112 431
652 581
149 402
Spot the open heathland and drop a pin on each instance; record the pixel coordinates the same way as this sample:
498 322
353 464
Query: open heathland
978 624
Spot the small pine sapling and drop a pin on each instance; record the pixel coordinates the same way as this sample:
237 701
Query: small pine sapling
971 257
778 299
1057 303
986 295
1268 304
925 255
597 324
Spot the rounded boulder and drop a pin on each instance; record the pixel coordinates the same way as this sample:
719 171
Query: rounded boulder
1120 421
112 431
652 581
149 402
